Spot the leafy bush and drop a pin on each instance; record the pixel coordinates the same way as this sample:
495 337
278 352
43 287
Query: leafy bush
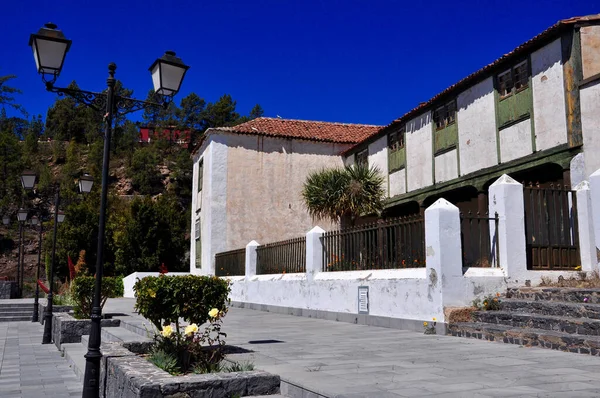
82 291
165 299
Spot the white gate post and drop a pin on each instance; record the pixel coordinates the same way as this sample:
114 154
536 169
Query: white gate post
314 252
251 259
587 240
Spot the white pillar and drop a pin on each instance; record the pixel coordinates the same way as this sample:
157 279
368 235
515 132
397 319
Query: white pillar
444 259
506 199
587 240
595 197
314 252
251 259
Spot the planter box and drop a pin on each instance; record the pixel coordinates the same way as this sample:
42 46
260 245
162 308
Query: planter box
55 309
8 289
126 375
66 329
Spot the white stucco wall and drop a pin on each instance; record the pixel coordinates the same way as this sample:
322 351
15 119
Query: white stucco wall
549 114
419 152
446 166
130 280
590 125
263 184
515 141
397 182
212 215
378 156
477 128
590 50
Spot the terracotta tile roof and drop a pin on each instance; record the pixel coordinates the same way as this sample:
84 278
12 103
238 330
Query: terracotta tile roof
343 133
473 78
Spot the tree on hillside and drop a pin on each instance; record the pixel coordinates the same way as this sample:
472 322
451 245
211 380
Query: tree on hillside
221 113
257 111
348 192
7 94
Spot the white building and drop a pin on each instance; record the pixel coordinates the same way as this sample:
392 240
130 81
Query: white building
534 114
248 181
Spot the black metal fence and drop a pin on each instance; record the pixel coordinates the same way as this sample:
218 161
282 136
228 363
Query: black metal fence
479 238
387 244
551 224
230 263
285 257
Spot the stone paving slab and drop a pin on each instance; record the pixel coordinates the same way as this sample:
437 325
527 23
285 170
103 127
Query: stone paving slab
335 359
29 369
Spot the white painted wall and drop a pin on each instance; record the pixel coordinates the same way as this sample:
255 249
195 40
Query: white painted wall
397 182
477 128
130 280
549 114
378 156
590 125
212 214
419 152
264 181
515 141
446 166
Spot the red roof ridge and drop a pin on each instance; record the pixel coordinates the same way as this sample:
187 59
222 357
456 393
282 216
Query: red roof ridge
300 120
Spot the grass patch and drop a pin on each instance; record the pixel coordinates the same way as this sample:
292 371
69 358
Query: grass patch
584 280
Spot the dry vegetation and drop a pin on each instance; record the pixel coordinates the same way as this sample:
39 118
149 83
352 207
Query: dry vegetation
582 280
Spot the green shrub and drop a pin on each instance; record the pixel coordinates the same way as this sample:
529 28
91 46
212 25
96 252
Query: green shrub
165 299
164 360
82 291
488 303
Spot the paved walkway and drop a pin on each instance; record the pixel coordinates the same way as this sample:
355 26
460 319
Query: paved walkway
29 369
341 359
335 359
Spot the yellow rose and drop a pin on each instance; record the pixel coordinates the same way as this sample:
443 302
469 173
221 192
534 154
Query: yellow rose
191 329
213 313
152 293
434 319
167 331
425 323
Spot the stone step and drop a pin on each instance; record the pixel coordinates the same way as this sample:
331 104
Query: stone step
570 295
74 354
28 309
17 305
582 326
528 337
558 308
15 318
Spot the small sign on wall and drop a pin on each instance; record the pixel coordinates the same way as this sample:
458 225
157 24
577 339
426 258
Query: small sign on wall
363 299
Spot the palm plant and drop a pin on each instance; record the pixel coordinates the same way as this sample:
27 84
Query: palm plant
350 191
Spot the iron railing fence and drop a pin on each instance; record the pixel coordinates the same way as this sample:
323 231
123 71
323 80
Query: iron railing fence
551 228
479 239
230 263
387 244
285 257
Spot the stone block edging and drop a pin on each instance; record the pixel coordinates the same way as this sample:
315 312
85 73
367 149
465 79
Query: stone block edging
126 375
55 308
67 329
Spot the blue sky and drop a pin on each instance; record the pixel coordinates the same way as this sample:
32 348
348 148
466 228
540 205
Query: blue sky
334 60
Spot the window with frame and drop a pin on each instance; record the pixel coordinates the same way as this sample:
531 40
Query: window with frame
445 115
513 80
362 157
396 140
200 174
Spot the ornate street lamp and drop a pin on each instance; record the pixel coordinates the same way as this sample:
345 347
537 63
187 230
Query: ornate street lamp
6 219
28 180
22 215
49 45
60 216
35 221
85 183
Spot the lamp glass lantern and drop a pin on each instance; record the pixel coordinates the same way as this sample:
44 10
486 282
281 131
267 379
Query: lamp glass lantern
168 72
34 220
28 180
86 182
22 215
6 219
49 47
61 216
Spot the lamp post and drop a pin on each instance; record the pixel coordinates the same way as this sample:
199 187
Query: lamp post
50 47
22 217
35 221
